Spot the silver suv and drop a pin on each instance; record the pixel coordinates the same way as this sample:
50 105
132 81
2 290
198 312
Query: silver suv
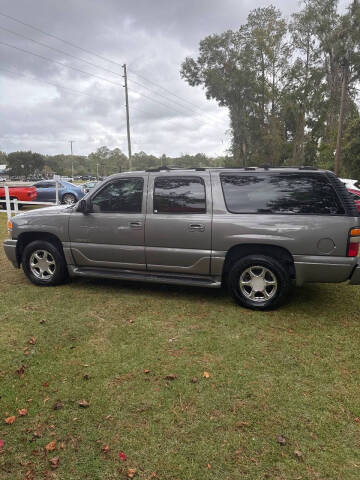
254 230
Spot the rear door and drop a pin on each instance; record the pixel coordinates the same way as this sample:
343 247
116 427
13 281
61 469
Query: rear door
112 236
178 223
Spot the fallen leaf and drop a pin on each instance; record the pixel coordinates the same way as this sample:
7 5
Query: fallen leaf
206 375
29 475
42 321
26 351
209 466
83 404
105 448
50 446
172 376
357 419
32 340
86 377
22 412
194 380
10 420
281 440
36 434
45 385
54 462
146 371
122 456
58 405
297 453
131 472
21 371
1 444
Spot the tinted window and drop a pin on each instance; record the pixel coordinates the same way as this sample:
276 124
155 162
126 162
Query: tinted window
280 193
124 196
179 195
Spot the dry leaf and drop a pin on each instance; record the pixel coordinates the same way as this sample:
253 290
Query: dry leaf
32 340
281 440
194 380
26 351
172 376
1 444
105 448
50 446
209 466
10 420
45 385
58 405
54 462
297 453
146 371
29 475
242 424
21 371
22 412
131 472
206 375
122 456
83 404
86 377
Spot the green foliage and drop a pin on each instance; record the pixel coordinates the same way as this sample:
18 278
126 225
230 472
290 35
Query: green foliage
25 163
351 149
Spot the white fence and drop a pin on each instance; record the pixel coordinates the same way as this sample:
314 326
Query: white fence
15 202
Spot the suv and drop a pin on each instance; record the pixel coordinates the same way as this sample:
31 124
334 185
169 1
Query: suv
254 230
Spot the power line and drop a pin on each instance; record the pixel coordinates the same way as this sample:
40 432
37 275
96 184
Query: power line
100 57
96 66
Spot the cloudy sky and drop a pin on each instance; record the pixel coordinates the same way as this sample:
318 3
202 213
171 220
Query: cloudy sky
49 96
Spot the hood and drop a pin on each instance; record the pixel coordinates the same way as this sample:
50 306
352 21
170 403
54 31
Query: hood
54 210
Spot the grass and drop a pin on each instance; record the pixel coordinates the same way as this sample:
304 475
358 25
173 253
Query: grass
292 372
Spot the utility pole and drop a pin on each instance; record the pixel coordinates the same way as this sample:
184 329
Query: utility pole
341 116
127 115
72 159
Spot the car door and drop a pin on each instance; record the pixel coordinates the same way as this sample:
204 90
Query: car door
42 191
178 223
112 236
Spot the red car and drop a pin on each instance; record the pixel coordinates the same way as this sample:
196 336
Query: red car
355 194
25 194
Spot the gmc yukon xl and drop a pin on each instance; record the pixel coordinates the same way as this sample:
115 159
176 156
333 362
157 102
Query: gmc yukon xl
255 230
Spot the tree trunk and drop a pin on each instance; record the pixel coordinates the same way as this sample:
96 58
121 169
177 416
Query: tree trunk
341 121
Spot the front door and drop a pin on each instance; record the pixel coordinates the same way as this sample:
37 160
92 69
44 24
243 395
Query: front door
112 236
178 223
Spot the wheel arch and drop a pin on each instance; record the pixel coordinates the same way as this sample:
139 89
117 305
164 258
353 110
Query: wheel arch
279 253
27 237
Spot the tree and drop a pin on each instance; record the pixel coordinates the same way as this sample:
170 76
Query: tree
25 164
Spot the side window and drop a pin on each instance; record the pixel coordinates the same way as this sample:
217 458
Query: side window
179 195
121 196
280 193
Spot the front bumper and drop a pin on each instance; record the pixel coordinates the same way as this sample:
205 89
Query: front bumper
10 250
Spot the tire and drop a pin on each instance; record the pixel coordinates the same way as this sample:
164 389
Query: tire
259 282
12 206
44 264
68 198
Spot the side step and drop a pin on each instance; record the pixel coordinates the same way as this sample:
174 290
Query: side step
133 275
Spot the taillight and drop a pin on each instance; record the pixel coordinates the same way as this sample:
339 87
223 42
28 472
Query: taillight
354 240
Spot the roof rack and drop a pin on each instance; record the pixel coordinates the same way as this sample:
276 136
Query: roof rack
165 168
307 167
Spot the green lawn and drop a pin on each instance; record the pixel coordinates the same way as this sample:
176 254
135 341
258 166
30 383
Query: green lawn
292 372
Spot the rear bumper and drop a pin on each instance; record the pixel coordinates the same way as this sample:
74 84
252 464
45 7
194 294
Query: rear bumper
10 251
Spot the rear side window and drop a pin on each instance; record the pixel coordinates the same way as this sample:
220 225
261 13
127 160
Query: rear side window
280 193
179 195
122 196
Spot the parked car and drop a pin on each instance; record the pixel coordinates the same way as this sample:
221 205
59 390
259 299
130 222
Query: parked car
68 193
2 179
351 184
21 193
254 230
355 195
86 187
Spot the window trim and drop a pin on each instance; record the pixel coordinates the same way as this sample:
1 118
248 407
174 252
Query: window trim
282 174
184 177
96 192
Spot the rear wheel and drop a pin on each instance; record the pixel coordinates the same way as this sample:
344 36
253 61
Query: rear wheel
68 199
259 282
44 264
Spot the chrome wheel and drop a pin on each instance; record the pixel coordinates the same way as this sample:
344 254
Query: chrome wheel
69 199
42 264
258 283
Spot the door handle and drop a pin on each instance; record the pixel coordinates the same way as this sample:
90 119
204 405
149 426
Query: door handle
196 227
135 225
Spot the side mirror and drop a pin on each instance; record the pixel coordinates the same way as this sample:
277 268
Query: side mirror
84 206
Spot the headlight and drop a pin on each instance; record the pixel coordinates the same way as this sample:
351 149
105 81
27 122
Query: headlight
10 226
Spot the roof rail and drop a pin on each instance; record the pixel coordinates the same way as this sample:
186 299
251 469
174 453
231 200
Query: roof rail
307 167
165 168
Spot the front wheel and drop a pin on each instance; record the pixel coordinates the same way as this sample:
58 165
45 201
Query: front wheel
68 199
259 282
44 264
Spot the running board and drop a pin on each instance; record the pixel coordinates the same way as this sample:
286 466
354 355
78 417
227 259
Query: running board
132 275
